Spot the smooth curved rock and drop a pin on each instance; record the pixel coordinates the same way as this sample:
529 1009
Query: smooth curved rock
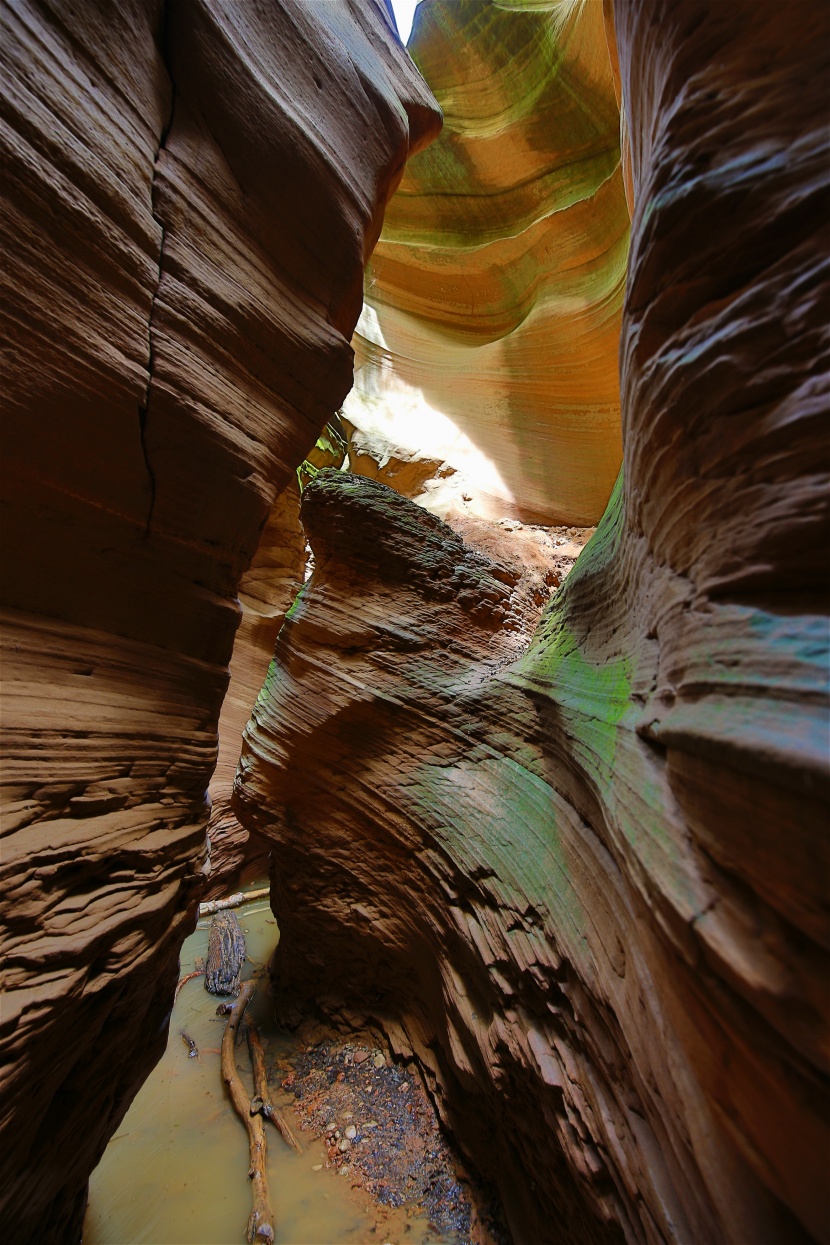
586 884
190 192
490 332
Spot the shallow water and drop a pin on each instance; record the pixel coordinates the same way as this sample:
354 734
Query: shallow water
176 1172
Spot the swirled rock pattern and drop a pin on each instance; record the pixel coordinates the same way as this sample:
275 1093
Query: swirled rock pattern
190 192
583 877
493 299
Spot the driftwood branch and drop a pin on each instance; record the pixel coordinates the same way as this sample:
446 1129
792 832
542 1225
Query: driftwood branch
261 1221
233 901
261 1102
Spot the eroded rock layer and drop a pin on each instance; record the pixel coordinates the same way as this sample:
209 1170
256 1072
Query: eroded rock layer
493 299
190 192
265 593
583 877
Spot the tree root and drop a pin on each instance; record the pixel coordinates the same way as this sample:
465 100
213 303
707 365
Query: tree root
198 971
261 1102
261 1221
233 901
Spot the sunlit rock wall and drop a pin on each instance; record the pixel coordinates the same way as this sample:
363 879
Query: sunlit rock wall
190 191
584 877
490 333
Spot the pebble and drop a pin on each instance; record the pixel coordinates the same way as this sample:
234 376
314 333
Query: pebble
318 1167
404 1089
351 1132
379 1060
343 1145
346 1170
360 1056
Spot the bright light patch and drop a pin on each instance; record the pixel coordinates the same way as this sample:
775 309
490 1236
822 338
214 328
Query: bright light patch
404 13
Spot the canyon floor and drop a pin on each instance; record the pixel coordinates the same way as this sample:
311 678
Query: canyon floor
375 1166
382 1137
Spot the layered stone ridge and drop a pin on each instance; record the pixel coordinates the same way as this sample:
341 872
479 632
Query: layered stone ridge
493 298
581 872
190 192
266 592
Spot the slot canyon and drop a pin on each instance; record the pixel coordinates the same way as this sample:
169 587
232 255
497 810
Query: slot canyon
415 491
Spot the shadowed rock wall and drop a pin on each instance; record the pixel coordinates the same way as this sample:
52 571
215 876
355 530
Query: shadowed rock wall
581 870
266 592
190 192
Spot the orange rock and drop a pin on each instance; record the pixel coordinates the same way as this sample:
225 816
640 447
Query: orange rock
593 852
491 327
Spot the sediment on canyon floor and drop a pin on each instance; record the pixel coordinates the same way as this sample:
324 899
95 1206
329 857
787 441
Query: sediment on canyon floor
372 1162
560 845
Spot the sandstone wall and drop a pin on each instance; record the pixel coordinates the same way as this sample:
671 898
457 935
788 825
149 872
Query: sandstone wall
266 592
580 870
190 192
491 328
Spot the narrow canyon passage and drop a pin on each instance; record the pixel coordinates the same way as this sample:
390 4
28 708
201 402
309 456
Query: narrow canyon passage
415 489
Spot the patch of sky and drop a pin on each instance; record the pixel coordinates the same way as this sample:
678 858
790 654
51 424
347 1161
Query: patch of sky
404 11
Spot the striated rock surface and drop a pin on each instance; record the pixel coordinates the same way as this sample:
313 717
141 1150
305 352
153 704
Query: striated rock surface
583 877
491 325
190 192
266 591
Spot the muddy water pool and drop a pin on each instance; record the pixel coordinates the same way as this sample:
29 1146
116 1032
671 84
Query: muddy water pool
176 1172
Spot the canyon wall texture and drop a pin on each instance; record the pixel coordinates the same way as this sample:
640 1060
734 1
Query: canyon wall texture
190 193
265 593
578 865
493 299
